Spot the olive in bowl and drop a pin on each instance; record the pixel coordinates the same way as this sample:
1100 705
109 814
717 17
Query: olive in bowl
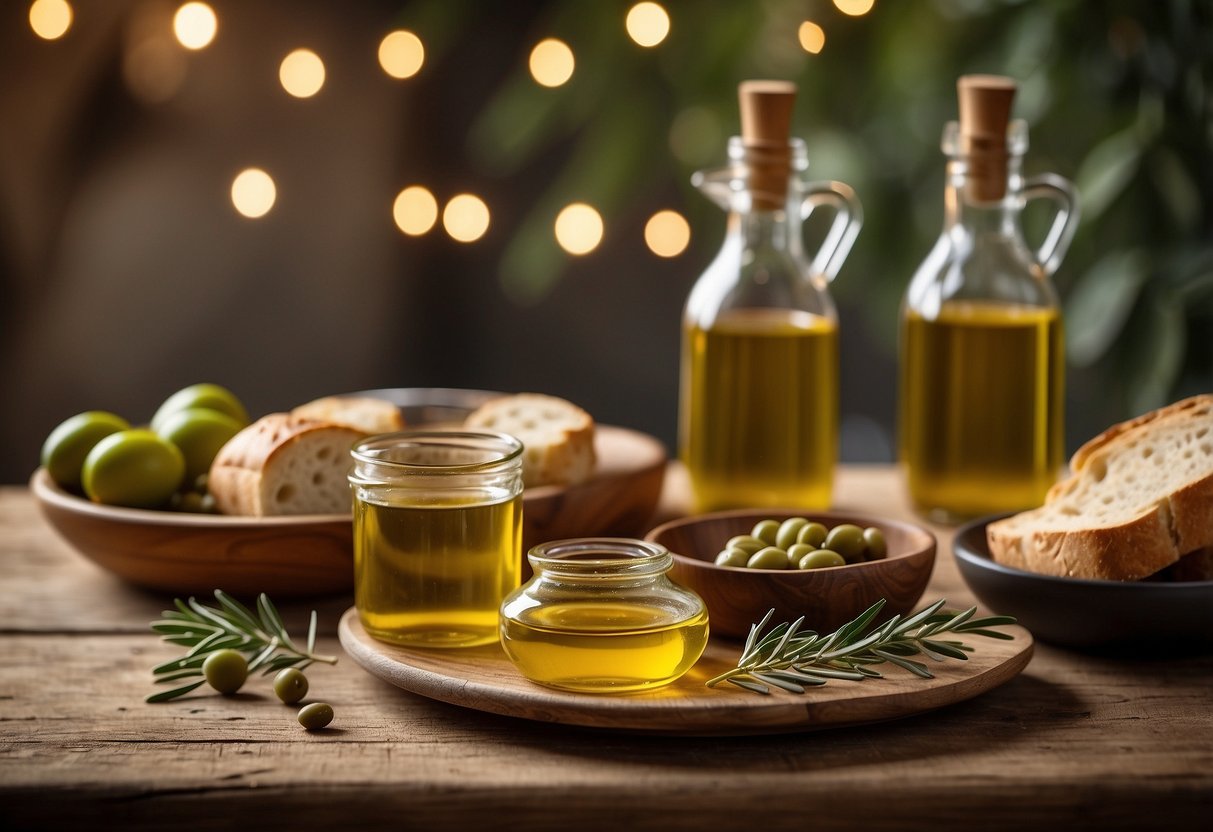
827 597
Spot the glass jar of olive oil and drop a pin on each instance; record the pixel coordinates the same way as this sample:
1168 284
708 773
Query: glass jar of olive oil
437 534
758 421
600 616
982 387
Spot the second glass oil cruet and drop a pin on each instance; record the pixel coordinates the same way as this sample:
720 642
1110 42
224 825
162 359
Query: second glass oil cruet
758 421
981 398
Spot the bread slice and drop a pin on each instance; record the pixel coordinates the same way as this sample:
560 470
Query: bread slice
557 436
363 413
1140 496
282 464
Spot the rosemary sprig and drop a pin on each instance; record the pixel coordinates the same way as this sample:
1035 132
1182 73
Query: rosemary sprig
791 659
231 625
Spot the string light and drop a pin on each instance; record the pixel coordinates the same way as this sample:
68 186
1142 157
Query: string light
551 62
578 228
647 24
401 54
854 8
667 234
302 73
195 25
812 37
465 218
415 210
50 19
253 193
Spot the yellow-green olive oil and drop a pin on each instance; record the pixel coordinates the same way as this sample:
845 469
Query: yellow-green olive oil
759 409
602 646
982 407
433 572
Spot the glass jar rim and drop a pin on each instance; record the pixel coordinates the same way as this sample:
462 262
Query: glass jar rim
600 557
504 448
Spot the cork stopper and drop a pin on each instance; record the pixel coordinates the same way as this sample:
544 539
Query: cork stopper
985 113
766 125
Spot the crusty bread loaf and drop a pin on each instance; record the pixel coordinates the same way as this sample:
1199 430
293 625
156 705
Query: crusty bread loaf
1139 497
282 464
364 413
557 436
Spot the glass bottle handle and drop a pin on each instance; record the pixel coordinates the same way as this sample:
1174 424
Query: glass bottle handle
1065 222
848 218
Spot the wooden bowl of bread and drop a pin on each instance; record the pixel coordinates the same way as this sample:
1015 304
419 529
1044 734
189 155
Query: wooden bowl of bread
738 597
1121 547
283 523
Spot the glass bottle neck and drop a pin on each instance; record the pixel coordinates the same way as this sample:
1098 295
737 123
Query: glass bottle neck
964 211
766 229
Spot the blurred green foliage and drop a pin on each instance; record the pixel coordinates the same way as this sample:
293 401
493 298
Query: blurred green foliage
1118 96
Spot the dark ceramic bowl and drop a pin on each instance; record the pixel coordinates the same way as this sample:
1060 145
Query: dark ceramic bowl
827 598
1085 614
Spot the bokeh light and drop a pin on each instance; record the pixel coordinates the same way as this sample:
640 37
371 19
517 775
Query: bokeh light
647 24
812 37
415 210
401 54
578 228
465 218
667 234
302 73
854 8
195 25
551 62
253 192
50 19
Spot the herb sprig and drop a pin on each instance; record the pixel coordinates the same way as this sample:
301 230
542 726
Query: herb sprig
792 660
231 625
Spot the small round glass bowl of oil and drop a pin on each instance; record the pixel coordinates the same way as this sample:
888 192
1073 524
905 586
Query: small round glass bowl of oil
601 616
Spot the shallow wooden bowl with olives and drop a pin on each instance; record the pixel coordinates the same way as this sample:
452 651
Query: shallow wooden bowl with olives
829 597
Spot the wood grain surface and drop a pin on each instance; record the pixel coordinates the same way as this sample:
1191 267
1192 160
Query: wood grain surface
1091 741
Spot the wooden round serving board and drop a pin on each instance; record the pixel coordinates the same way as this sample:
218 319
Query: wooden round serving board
485 680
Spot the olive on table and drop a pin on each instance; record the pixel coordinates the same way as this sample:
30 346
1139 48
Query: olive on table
769 558
65 449
210 396
788 530
290 685
874 539
813 534
134 468
766 531
315 716
821 559
847 540
733 556
199 433
225 670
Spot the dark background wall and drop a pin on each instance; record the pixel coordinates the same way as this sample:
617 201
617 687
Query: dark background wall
125 274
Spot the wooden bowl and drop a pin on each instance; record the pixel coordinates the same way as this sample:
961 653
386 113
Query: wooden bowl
828 598
198 553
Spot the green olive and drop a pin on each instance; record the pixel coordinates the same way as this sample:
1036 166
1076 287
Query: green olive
225 670
766 531
733 556
769 558
874 538
64 450
199 432
788 530
290 685
315 716
210 396
813 534
797 551
133 468
746 543
847 540
821 559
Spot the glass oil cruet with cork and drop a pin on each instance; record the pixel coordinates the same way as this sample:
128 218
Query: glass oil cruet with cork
982 375
758 422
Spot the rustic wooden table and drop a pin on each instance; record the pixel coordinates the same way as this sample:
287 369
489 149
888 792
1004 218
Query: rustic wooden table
1076 740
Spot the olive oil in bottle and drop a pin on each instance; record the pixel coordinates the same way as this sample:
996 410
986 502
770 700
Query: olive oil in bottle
982 407
758 420
762 408
603 646
982 389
